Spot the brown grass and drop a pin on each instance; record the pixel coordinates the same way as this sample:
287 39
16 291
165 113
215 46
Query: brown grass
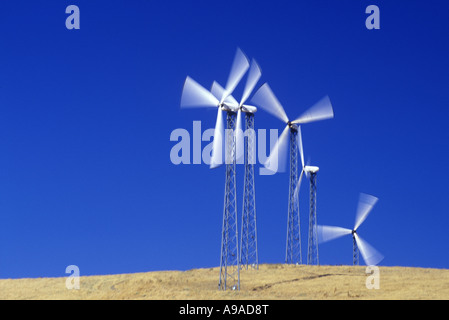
271 281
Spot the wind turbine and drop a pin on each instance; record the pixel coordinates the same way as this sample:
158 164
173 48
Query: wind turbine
311 172
370 255
265 99
245 151
195 95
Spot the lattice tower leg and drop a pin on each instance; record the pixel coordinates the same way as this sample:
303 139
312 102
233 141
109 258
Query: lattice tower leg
229 261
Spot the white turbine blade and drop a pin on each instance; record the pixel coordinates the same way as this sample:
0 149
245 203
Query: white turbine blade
231 102
238 70
253 76
218 91
266 99
298 185
327 233
319 111
195 95
371 256
239 143
300 146
217 146
276 160
366 204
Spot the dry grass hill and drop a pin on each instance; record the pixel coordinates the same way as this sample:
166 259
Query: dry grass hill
271 281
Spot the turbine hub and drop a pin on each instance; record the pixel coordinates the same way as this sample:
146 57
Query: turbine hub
292 126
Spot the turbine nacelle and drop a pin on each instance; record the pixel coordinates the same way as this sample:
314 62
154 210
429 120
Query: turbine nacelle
248 109
228 107
292 126
311 169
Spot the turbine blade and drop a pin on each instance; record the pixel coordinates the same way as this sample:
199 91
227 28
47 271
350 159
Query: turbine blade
366 204
217 146
218 91
327 233
276 160
298 185
266 99
371 256
300 146
195 95
238 70
253 76
319 111
239 142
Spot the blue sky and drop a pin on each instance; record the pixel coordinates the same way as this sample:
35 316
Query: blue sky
86 117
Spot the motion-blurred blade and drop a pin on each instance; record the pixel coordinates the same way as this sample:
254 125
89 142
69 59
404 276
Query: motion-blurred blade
300 146
239 143
217 90
195 95
266 99
371 256
232 103
253 76
276 160
238 70
366 204
327 233
217 146
298 185
306 167
319 111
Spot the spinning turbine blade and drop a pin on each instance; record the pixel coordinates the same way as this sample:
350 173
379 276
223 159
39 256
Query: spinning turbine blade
327 233
239 143
253 76
298 185
218 91
366 204
217 146
238 70
195 95
319 111
266 99
369 254
301 150
276 160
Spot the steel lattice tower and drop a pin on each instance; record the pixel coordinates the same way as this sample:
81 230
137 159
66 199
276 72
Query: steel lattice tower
355 250
248 246
293 253
229 261
312 251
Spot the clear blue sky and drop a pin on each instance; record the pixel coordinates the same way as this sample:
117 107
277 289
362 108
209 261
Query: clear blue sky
86 117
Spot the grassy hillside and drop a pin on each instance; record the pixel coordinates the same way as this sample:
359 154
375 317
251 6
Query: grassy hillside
275 281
